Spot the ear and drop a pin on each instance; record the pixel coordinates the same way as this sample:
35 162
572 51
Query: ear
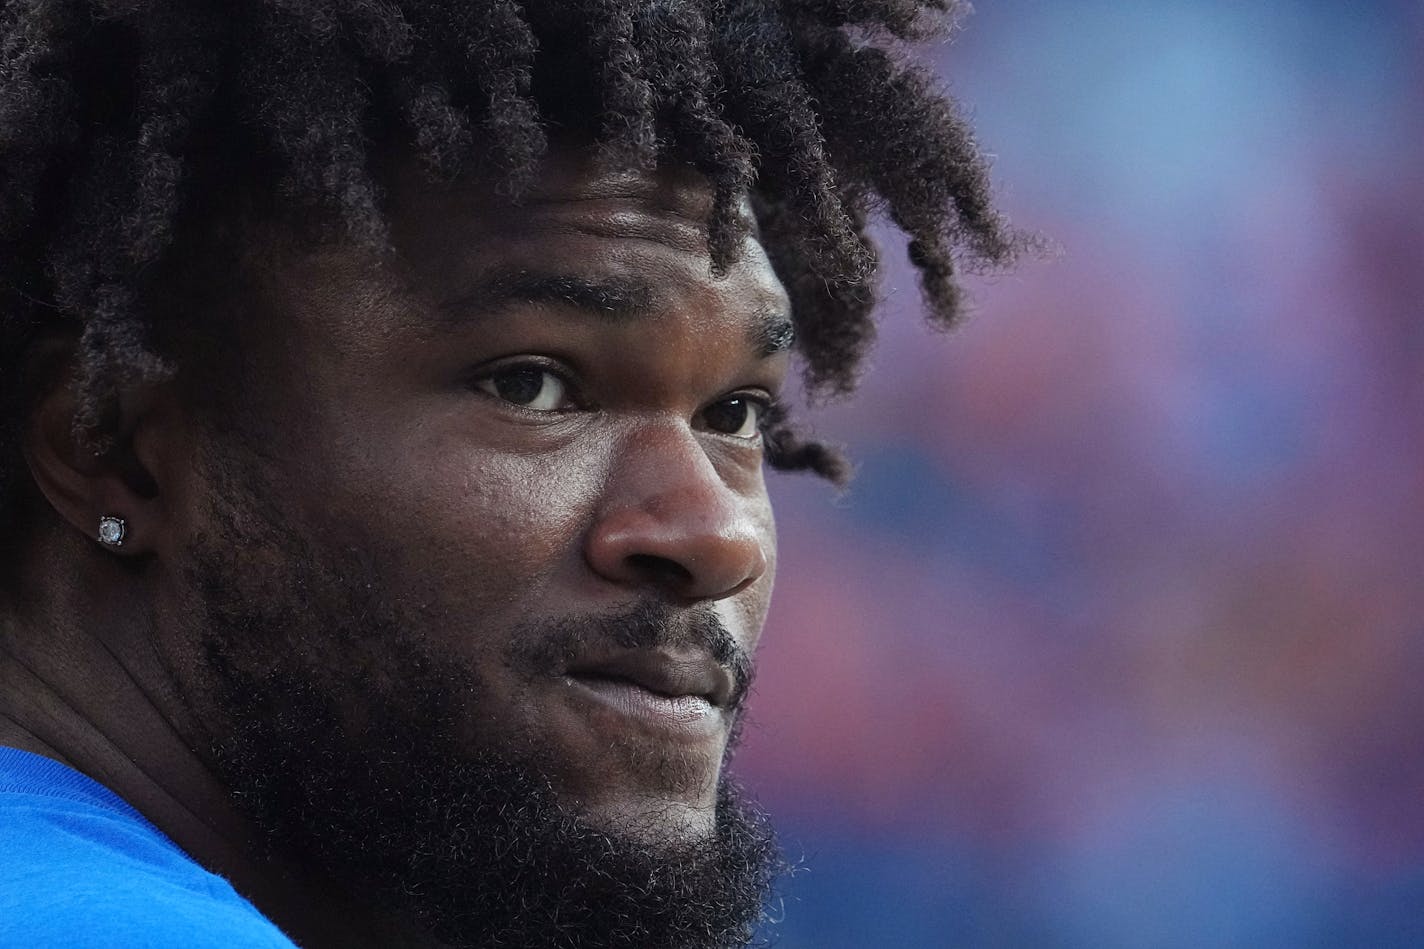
84 485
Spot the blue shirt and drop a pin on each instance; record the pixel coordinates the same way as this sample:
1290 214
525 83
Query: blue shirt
80 869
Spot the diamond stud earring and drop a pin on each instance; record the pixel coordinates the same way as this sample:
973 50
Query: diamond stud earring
112 531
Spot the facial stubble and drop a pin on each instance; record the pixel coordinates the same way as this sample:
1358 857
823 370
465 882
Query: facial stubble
345 738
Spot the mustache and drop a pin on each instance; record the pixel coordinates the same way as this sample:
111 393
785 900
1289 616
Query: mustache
548 648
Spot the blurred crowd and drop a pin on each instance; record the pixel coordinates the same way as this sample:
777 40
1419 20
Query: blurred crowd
1118 637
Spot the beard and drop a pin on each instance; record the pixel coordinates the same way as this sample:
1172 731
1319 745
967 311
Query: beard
346 740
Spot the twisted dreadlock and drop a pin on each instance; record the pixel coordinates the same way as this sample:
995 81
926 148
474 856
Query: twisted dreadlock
117 117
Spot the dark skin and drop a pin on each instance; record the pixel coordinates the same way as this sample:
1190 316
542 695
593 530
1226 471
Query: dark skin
534 413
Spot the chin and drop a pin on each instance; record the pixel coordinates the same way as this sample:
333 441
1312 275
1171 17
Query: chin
651 819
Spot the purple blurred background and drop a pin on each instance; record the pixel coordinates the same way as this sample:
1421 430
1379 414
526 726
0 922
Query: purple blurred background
1118 639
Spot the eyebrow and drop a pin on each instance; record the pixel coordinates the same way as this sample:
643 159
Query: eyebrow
611 296
604 297
776 334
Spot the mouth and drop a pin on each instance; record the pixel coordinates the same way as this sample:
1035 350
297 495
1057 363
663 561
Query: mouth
684 695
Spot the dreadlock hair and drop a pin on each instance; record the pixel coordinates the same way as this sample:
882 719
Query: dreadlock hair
122 119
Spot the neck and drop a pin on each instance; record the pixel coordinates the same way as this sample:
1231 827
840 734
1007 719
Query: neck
98 698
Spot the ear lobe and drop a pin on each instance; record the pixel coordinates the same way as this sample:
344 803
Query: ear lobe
85 486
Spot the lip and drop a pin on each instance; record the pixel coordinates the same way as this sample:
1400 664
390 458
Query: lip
678 695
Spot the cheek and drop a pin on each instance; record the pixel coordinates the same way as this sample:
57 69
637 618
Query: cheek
483 533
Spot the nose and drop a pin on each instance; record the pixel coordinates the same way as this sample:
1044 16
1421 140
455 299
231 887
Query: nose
669 521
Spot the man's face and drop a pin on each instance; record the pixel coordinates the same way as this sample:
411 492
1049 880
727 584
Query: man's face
500 498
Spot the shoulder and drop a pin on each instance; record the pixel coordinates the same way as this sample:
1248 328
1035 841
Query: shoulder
73 874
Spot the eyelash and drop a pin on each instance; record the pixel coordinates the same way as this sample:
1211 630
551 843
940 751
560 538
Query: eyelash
527 364
770 410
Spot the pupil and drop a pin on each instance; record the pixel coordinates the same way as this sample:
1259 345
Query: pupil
728 416
520 386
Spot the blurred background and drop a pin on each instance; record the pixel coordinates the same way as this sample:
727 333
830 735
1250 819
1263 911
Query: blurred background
1118 638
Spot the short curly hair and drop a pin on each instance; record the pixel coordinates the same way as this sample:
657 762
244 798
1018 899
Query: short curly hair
122 119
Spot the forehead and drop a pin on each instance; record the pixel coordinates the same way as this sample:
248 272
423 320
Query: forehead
573 185
643 230
646 229
599 243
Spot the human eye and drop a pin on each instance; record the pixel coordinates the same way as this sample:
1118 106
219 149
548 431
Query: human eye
528 385
739 415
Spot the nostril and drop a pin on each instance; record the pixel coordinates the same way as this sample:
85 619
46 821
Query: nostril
661 570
